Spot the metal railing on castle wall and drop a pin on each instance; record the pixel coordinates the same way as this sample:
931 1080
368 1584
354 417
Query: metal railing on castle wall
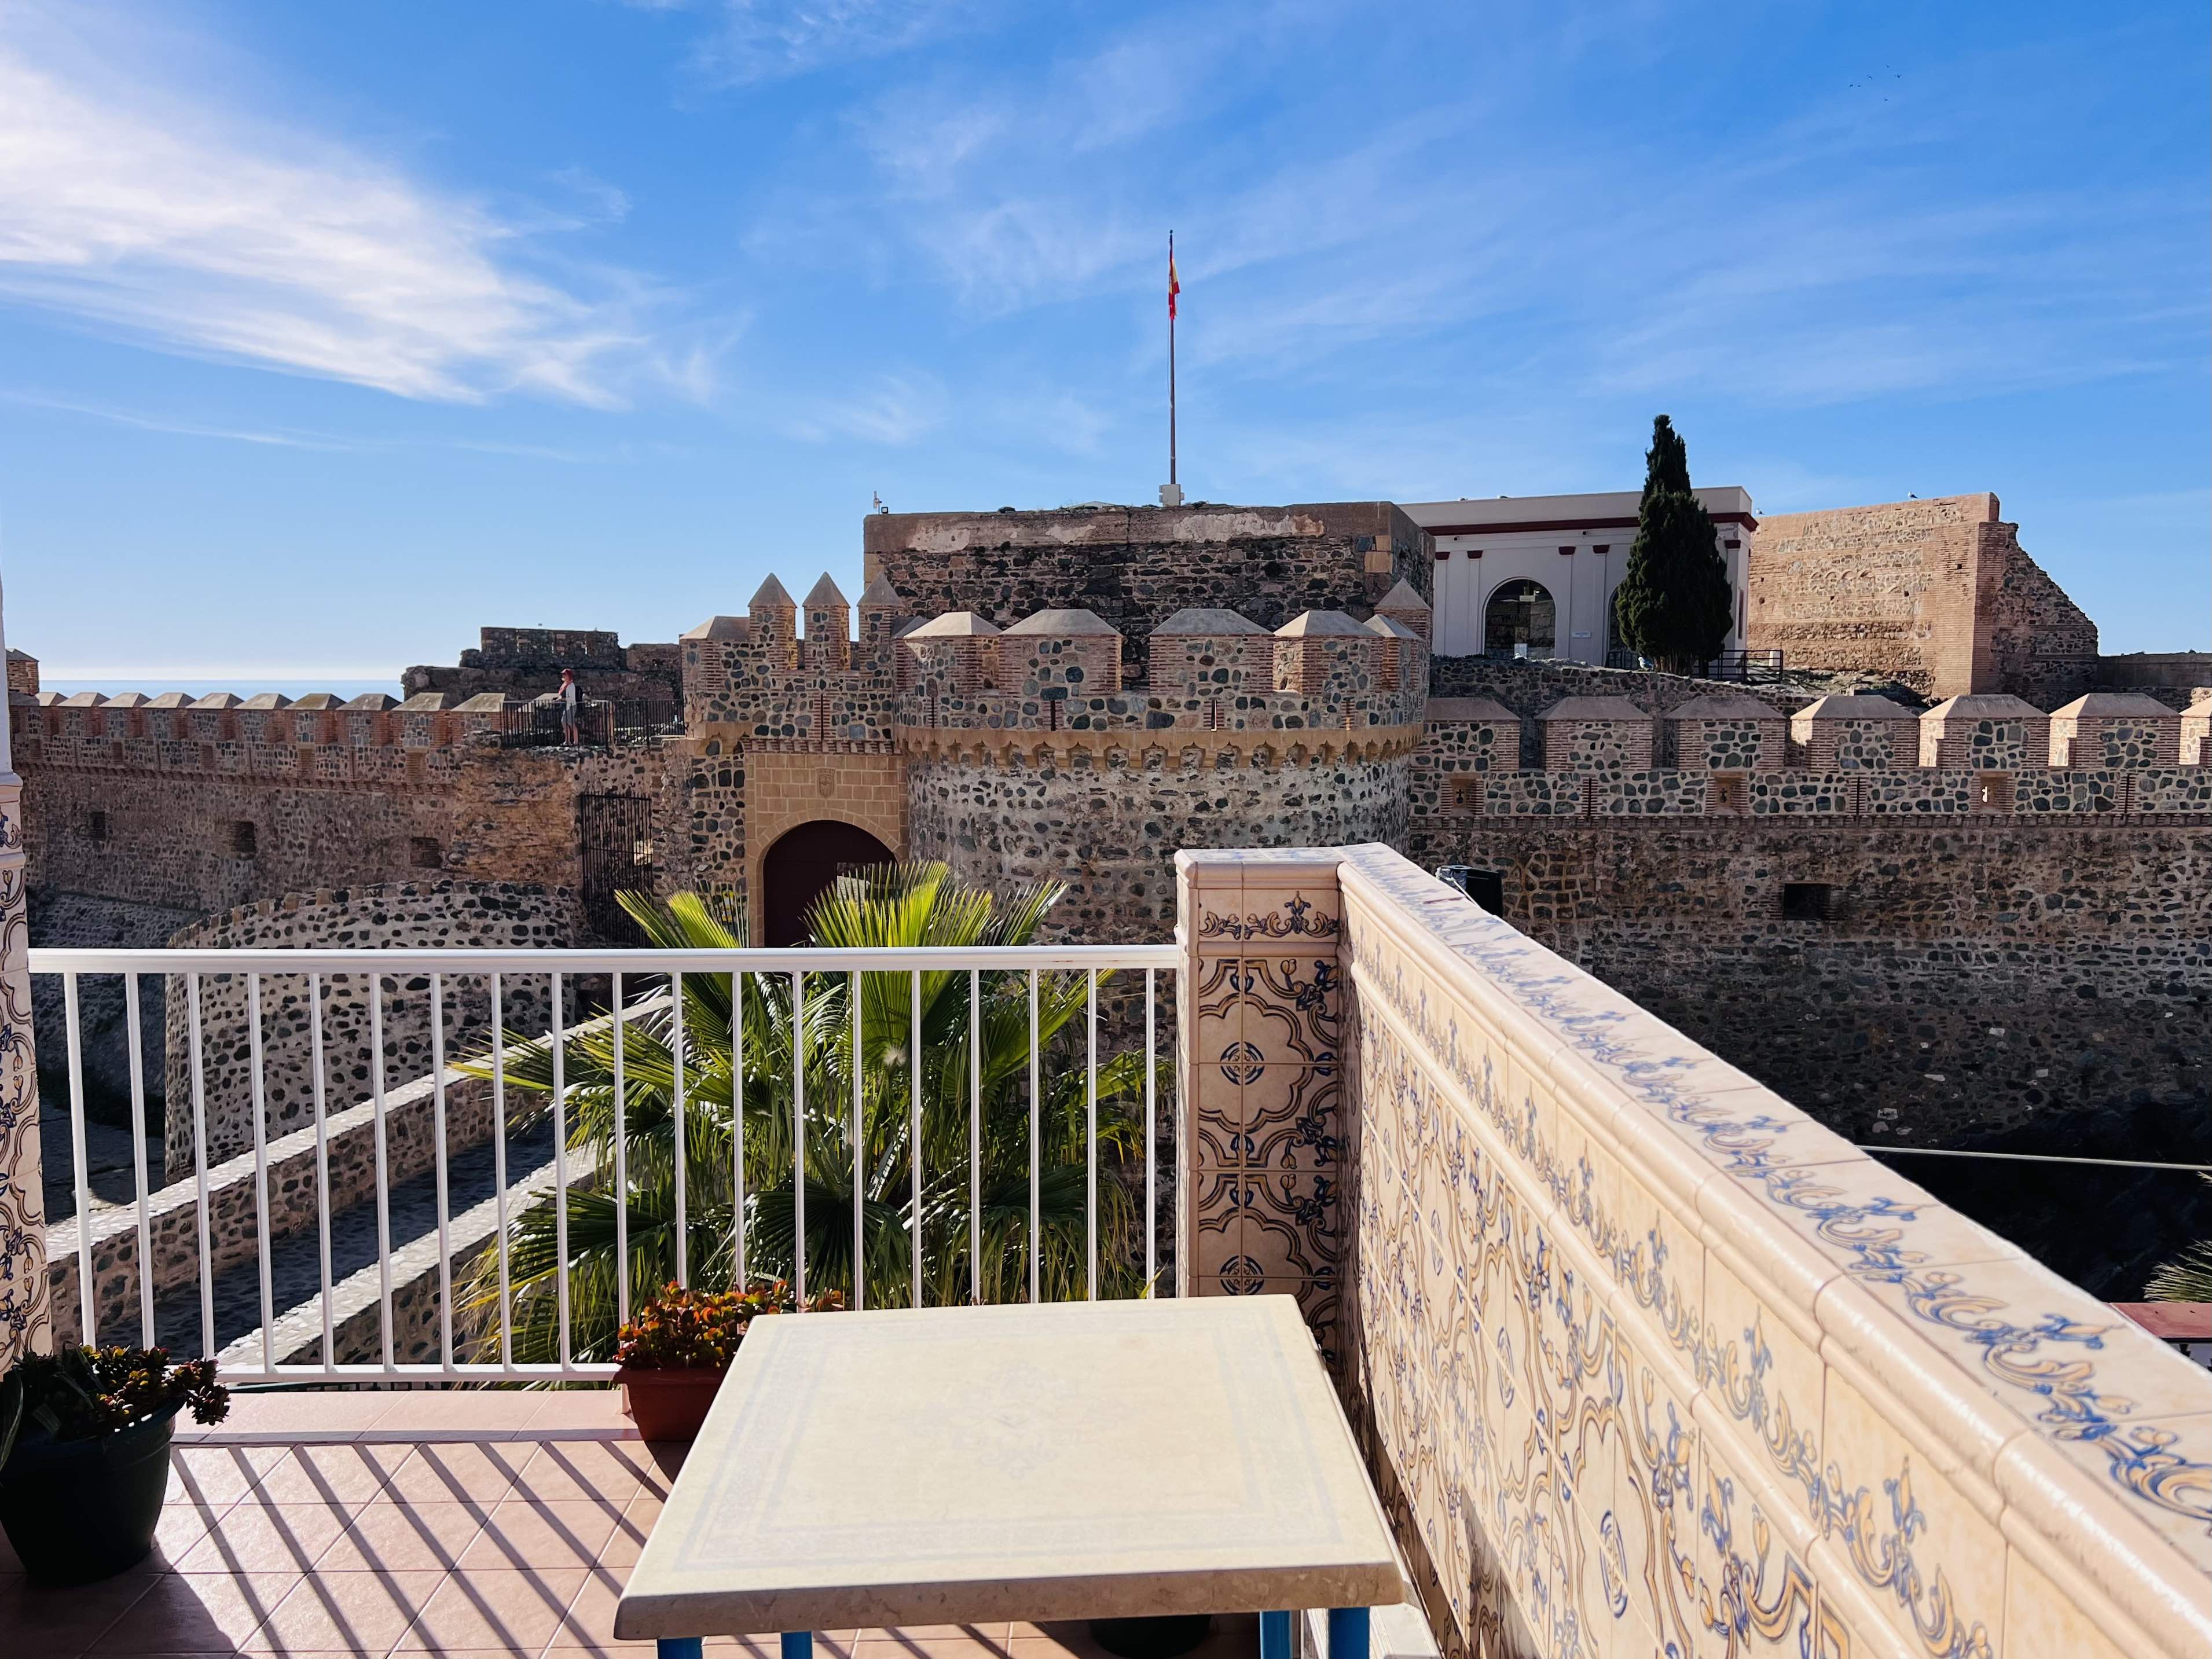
979 1071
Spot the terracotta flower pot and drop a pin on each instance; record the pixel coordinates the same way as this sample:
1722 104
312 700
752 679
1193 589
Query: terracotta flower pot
669 1404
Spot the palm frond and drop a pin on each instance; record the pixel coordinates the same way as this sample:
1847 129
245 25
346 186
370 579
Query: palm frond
853 1096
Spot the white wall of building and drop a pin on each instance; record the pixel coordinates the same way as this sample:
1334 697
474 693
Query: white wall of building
1575 546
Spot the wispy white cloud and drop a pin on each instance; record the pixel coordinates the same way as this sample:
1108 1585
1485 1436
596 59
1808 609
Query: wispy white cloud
895 409
753 41
1837 255
285 438
132 205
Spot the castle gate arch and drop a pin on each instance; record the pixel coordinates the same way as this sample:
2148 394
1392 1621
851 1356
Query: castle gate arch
801 864
1520 612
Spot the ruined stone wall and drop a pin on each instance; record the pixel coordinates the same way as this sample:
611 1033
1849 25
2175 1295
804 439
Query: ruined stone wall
170 837
1973 968
1889 589
426 916
1137 566
202 827
2039 644
1108 817
1938 594
644 682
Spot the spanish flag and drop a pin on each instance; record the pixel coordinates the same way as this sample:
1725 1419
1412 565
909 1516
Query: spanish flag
1174 287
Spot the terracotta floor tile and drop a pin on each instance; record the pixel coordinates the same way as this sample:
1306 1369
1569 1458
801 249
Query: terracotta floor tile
389 1537
495 1412
478 1471
614 1469
219 1475
628 1538
578 1408
266 1538
354 1612
197 1612
590 1621
519 1610
39 1621
528 1533
308 1411
351 1473
180 1527
940 1642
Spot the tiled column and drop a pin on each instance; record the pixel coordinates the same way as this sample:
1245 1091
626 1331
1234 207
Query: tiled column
1260 1083
23 1325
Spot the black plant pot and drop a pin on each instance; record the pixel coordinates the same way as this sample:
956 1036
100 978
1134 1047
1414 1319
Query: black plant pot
80 1509
1165 1638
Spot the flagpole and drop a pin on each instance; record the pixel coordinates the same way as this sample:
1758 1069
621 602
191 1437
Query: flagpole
1171 373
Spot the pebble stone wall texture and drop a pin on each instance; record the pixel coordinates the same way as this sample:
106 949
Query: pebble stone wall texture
427 915
1970 970
1135 566
1645 1360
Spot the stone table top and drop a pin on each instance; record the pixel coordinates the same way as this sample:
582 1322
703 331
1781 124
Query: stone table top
1069 1460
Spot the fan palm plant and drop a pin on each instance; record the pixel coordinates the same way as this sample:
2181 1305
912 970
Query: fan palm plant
2188 1277
743 1066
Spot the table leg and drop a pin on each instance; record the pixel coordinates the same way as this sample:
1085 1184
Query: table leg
1347 1633
799 1644
679 1647
1274 1635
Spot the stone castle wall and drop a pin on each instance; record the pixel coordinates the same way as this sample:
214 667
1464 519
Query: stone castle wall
1937 594
425 915
1109 817
1971 970
1137 566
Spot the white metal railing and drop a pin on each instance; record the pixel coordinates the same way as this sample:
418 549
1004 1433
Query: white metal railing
782 987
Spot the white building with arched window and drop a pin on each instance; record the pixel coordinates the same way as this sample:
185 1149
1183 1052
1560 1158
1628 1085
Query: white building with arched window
1539 571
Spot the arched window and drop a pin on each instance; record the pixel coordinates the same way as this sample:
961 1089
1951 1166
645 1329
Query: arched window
1519 613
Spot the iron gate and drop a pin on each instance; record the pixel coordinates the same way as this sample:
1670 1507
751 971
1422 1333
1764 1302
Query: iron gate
616 833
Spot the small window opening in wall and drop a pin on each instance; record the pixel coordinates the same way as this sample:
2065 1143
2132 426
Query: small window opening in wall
95 826
1808 900
1485 887
425 854
242 838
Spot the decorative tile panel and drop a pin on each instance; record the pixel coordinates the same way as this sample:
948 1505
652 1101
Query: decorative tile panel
1647 1361
24 1312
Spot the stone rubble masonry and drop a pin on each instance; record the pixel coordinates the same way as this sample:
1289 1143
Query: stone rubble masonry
1937 594
427 915
643 681
1136 565
419 1296
296 1200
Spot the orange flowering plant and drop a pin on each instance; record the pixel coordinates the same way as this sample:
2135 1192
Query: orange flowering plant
682 1329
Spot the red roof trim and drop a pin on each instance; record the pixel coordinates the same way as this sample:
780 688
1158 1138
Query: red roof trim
1490 528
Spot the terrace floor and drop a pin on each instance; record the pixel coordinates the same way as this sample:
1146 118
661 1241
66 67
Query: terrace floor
468 1524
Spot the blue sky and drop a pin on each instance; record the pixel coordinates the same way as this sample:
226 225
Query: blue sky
329 333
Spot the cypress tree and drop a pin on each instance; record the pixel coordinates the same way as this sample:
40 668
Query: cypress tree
1673 602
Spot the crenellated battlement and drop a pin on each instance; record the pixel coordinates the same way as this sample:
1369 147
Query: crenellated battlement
319 736
758 677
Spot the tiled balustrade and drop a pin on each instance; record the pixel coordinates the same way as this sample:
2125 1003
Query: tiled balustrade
1648 1361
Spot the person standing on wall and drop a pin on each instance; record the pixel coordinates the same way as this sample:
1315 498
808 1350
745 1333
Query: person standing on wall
569 737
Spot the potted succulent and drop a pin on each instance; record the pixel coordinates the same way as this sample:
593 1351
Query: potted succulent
673 1358
84 1454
